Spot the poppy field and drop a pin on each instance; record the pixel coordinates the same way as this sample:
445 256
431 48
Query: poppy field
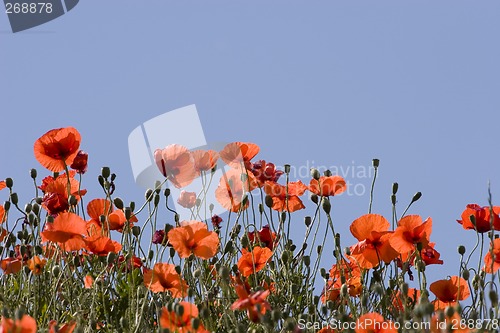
70 263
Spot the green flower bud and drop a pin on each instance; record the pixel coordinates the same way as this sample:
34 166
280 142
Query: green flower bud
375 162
105 172
9 182
33 173
461 250
118 203
315 173
14 198
395 187
326 205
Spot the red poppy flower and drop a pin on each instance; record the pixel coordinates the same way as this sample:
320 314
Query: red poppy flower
67 231
2 214
57 148
410 299
194 237
482 218
163 277
328 186
255 261
233 185
2 185
411 231
264 171
88 281
492 262
448 292
238 154
24 325
255 304
187 199
55 198
374 323
115 219
264 236
176 163
348 271
102 245
286 198
11 265
372 232
205 160
174 322
80 162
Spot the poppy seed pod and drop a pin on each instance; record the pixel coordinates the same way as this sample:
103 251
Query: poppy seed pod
307 221
14 198
315 173
375 162
461 250
287 168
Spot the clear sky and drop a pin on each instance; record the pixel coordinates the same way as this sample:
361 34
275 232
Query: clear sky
326 83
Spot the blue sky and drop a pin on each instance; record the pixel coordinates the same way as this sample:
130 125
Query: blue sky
330 83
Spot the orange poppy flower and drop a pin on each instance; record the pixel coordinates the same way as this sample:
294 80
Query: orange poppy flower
182 324
102 245
328 186
3 234
255 304
205 160
36 264
55 199
492 263
66 328
409 300
233 185
374 323
265 171
410 232
67 231
115 219
238 154
448 292
2 184
57 148
88 281
163 277
194 237
372 232
187 199
253 262
283 201
176 163
24 325
11 265
343 270
482 218
2 214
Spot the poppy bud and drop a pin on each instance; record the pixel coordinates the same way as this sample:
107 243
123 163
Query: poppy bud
417 196
14 198
287 168
322 271
261 208
314 198
166 193
72 200
285 257
38 250
375 162
197 273
319 249
283 217
466 274
307 221
176 218
105 172
27 208
179 310
178 269
229 247
224 273
449 311
156 200
347 250
100 179
393 199
118 203
172 252
326 205
244 241
315 173
195 323
136 230
33 173
111 257
148 195
337 240
6 205
9 182
344 290
493 298
461 250
157 187
132 205
306 260
128 213
395 188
